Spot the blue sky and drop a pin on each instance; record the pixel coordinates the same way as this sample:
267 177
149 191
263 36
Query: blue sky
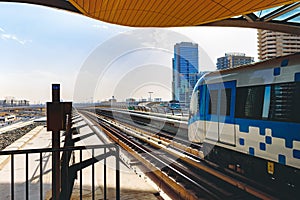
40 46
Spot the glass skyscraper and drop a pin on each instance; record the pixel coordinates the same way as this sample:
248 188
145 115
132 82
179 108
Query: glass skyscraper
185 71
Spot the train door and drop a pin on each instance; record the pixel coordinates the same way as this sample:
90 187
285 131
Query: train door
211 126
220 112
202 106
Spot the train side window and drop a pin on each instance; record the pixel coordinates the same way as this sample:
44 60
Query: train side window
249 102
225 102
284 104
267 98
202 100
213 104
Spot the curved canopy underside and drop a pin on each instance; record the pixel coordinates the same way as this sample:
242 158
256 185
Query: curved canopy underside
170 13
282 15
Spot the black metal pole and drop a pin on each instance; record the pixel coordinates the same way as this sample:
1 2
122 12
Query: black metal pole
105 182
12 189
66 155
118 189
55 145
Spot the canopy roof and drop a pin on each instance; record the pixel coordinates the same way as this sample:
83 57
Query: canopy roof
170 13
276 15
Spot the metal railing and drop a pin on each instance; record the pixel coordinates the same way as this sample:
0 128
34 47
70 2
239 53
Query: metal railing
70 171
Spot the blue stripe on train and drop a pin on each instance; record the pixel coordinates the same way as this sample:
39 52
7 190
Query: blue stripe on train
286 130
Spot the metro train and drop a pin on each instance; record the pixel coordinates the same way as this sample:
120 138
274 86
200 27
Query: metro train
248 120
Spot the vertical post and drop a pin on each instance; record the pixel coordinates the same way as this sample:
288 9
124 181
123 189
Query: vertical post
12 171
27 177
105 182
117 172
67 116
93 176
80 183
55 145
41 176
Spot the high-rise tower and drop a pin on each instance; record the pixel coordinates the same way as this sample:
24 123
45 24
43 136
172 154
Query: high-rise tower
185 71
231 60
272 44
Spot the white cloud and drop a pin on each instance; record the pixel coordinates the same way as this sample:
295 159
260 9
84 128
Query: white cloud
100 26
6 36
112 28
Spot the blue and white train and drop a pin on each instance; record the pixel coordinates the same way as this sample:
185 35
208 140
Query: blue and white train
248 119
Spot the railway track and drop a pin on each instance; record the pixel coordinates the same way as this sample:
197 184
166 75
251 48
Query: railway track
171 180
175 140
192 150
176 164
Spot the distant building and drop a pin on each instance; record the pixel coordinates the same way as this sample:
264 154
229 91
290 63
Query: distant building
112 100
143 100
185 71
130 100
157 99
231 60
12 102
272 44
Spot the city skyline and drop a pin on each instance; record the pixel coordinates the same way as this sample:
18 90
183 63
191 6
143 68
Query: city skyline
41 46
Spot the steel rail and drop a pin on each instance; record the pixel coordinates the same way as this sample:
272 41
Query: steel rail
136 150
233 181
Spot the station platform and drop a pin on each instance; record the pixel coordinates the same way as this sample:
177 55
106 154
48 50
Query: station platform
133 185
